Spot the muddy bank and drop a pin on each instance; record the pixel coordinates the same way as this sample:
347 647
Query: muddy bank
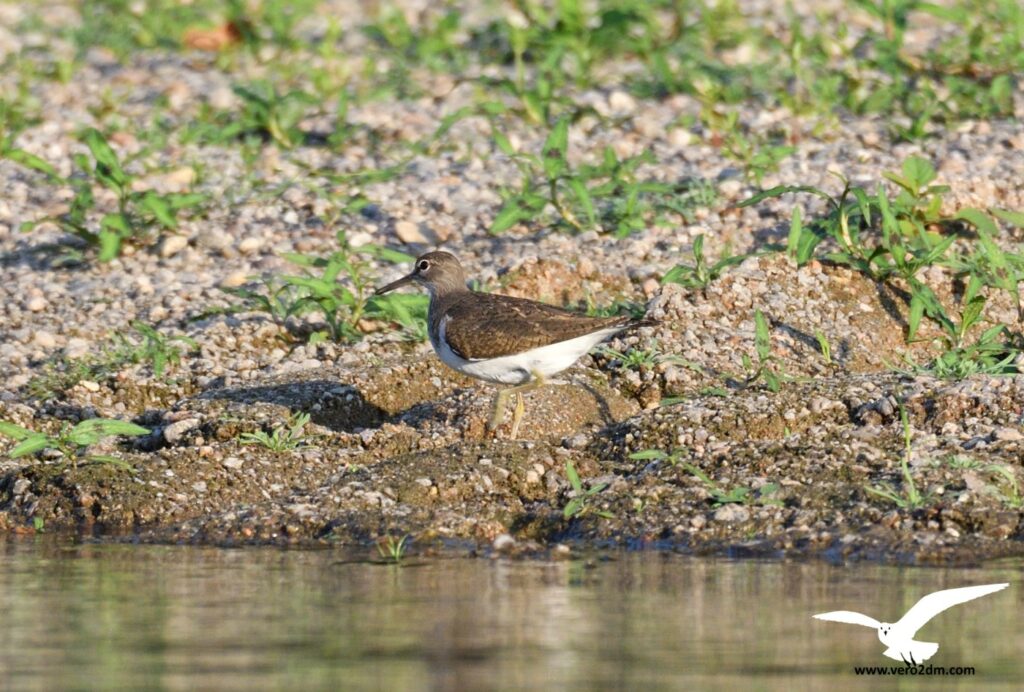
784 474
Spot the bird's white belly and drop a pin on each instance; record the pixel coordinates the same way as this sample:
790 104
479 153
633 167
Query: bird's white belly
519 367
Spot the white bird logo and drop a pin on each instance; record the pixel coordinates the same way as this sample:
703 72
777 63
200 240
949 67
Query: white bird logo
899 636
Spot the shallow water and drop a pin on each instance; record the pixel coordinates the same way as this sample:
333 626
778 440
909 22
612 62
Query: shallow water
133 617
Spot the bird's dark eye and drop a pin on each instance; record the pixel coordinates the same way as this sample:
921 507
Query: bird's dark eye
423 265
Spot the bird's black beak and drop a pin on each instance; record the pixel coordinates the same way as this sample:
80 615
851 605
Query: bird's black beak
407 279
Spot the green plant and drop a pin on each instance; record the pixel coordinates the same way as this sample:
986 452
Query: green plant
608 196
759 154
138 211
270 294
339 293
1009 491
269 114
671 458
72 442
906 241
991 353
892 240
738 495
38 524
341 306
638 358
263 114
910 497
824 346
392 549
579 503
159 350
700 274
552 45
960 462
283 438
767 363
986 263
430 44
618 307
60 374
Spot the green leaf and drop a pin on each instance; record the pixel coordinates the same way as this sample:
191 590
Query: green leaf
157 206
583 197
534 107
113 461
698 247
509 216
675 275
572 508
1014 218
978 219
931 304
973 287
177 200
971 312
780 190
889 223
110 245
915 316
762 336
385 253
864 205
36 443
574 478
116 222
796 230
108 166
15 432
304 260
919 171
504 145
108 427
449 120
555 149
647 454
31 161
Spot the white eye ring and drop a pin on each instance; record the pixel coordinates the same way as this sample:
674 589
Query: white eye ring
423 265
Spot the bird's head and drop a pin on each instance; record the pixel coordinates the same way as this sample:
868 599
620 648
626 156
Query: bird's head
437 271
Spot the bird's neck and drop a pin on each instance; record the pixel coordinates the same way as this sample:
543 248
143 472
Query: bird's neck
442 298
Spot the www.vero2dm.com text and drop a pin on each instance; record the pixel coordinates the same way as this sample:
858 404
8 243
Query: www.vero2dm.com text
921 670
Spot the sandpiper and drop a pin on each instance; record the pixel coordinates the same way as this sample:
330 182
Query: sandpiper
502 339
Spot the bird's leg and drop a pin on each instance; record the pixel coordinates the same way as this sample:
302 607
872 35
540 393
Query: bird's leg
517 416
499 409
537 380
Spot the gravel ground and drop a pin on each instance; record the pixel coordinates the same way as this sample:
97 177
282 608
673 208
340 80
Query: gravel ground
399 442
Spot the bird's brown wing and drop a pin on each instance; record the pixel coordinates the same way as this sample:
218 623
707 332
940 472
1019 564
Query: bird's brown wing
490 326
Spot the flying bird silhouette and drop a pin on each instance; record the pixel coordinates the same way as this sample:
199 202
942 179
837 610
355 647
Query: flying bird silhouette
899 636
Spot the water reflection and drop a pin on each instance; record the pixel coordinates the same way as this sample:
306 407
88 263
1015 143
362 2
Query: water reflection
117 616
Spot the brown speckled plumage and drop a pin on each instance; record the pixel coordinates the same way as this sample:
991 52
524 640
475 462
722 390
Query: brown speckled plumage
486 325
